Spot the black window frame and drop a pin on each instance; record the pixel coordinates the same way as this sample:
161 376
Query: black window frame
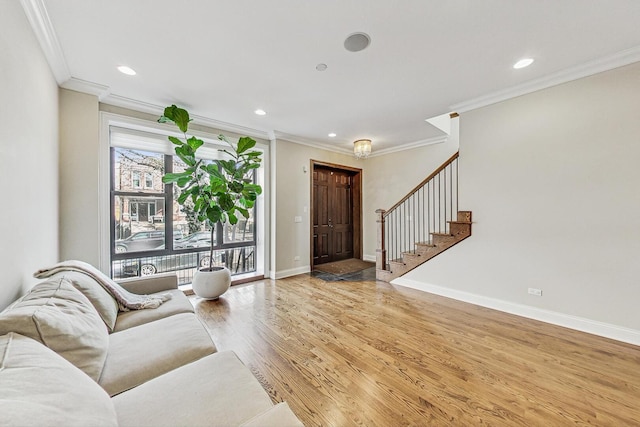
167 194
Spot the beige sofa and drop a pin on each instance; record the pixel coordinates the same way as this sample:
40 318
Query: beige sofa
69 357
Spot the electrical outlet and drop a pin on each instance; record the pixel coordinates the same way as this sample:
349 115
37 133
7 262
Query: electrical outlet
296 258
536 292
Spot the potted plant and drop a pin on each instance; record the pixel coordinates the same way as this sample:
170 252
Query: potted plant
218 190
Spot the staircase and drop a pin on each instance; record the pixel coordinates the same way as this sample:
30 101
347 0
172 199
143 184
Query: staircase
425 223
424 251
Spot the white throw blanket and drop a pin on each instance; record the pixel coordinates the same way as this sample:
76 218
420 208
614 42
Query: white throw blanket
126 300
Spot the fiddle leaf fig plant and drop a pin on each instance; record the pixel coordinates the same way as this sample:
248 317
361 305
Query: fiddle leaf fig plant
220 189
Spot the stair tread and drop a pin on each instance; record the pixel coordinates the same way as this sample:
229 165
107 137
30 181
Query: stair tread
460 222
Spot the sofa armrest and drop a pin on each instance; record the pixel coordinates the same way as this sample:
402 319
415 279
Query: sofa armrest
150 284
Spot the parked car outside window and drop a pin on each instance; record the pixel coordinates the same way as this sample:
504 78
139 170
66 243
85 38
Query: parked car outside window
144 241
161 264
199 239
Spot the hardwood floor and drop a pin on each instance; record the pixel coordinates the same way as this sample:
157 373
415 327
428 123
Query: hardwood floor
369 353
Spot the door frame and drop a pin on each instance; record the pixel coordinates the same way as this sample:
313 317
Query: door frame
356 205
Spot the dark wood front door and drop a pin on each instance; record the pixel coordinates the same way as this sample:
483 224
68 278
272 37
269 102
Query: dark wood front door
332 215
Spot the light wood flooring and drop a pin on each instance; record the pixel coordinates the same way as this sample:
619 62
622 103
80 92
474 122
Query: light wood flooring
371 354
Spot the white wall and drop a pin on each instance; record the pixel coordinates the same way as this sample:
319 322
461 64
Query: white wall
28 156
552 179
79 172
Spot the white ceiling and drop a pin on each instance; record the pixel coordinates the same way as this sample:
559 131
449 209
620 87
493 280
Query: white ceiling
224 59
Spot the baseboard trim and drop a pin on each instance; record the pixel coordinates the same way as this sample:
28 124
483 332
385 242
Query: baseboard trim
292 272
371 258
618 333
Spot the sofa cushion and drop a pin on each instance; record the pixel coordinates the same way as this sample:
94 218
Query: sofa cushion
156 283
139 354
104 303
215 390
276 416
40 388
178 303
62 318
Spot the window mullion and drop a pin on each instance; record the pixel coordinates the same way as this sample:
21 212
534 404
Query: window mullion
112 203
168 205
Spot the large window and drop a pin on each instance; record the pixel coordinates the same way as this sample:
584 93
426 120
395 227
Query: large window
151 233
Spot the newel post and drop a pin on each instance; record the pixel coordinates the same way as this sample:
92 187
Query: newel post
381 252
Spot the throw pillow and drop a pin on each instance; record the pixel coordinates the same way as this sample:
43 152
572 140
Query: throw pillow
62 318
104 303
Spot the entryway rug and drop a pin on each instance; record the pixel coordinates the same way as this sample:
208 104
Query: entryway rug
366 275
346 266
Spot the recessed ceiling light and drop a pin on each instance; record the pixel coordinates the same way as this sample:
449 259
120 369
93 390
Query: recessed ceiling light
523 63
321 67
332 135
260 112
127 70
357 42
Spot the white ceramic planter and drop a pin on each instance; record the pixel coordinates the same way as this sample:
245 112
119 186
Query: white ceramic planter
211 284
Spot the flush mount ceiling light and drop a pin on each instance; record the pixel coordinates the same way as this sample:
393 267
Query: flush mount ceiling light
127 70
321 67
260 112
357 42
332 135
362 148
523 63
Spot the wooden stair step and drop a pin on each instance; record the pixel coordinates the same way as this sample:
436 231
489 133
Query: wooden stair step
426 249
464 216
423 250
412 259
428 244
410 254
439 238
460 228
384 275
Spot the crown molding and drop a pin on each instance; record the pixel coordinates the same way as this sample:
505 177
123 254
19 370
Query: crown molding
310 143
619 59
231 127
43 29
146 107
411 145
84 86
323 146
132 104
